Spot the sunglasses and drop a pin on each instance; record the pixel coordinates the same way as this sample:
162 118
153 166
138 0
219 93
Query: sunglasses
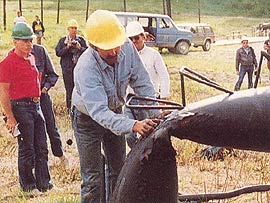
136 38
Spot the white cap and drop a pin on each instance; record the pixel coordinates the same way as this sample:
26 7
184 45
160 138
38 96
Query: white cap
244 38
134 28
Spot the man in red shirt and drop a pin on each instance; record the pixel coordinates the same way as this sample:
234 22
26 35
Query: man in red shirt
20 92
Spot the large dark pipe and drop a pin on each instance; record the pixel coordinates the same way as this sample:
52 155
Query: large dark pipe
240 120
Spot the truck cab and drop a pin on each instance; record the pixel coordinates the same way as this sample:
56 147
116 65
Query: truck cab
161 31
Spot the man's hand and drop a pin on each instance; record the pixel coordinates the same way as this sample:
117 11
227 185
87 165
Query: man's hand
237 72
11 124
44 90
146 126
69 44
78 45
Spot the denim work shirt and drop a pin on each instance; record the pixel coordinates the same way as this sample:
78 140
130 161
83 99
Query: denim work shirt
100 89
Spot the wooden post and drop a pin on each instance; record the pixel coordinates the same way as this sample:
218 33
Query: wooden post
164 8
199 11
58 12
5 14
125 6
20 6
87 9
41 10
169 11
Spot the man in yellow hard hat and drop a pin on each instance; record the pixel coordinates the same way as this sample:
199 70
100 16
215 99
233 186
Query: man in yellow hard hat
101 77
69 49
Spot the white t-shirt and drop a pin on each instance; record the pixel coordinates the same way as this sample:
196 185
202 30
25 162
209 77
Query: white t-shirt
19 19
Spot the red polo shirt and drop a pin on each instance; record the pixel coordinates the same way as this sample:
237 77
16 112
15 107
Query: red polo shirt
21 74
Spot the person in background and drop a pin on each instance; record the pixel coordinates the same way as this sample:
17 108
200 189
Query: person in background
38 29
151 58
69 49
19 17
246 59
154 65
48 79
20 96
101 76
266 47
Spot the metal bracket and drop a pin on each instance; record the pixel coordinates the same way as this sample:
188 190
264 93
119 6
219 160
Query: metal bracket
185 71
160 103
267 56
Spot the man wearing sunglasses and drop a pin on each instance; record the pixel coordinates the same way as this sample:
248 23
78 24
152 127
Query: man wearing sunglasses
155 67
246 59
151 58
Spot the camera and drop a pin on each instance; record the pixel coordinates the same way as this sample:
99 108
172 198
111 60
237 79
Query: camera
74 43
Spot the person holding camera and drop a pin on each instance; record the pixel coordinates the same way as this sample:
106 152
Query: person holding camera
69 49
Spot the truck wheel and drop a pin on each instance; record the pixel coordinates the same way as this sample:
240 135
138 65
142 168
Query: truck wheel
207 45
182 47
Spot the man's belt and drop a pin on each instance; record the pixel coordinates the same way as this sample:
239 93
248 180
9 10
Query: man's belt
27 99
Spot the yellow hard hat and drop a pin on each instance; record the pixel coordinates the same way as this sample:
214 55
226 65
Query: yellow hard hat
72 23
104 30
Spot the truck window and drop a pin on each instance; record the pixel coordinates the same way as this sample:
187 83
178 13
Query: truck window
165 23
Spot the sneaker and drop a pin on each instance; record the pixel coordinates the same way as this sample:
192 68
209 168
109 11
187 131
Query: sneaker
64 161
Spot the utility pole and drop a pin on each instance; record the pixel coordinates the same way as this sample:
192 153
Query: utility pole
199 11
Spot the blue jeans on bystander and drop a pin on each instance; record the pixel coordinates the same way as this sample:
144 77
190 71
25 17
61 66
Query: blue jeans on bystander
243 70
51 127
32 151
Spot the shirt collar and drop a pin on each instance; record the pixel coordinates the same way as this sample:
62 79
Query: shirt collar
142 50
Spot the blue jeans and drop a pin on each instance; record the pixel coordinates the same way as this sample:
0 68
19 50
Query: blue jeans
89 136
32 151
242 73
51 127
69 85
